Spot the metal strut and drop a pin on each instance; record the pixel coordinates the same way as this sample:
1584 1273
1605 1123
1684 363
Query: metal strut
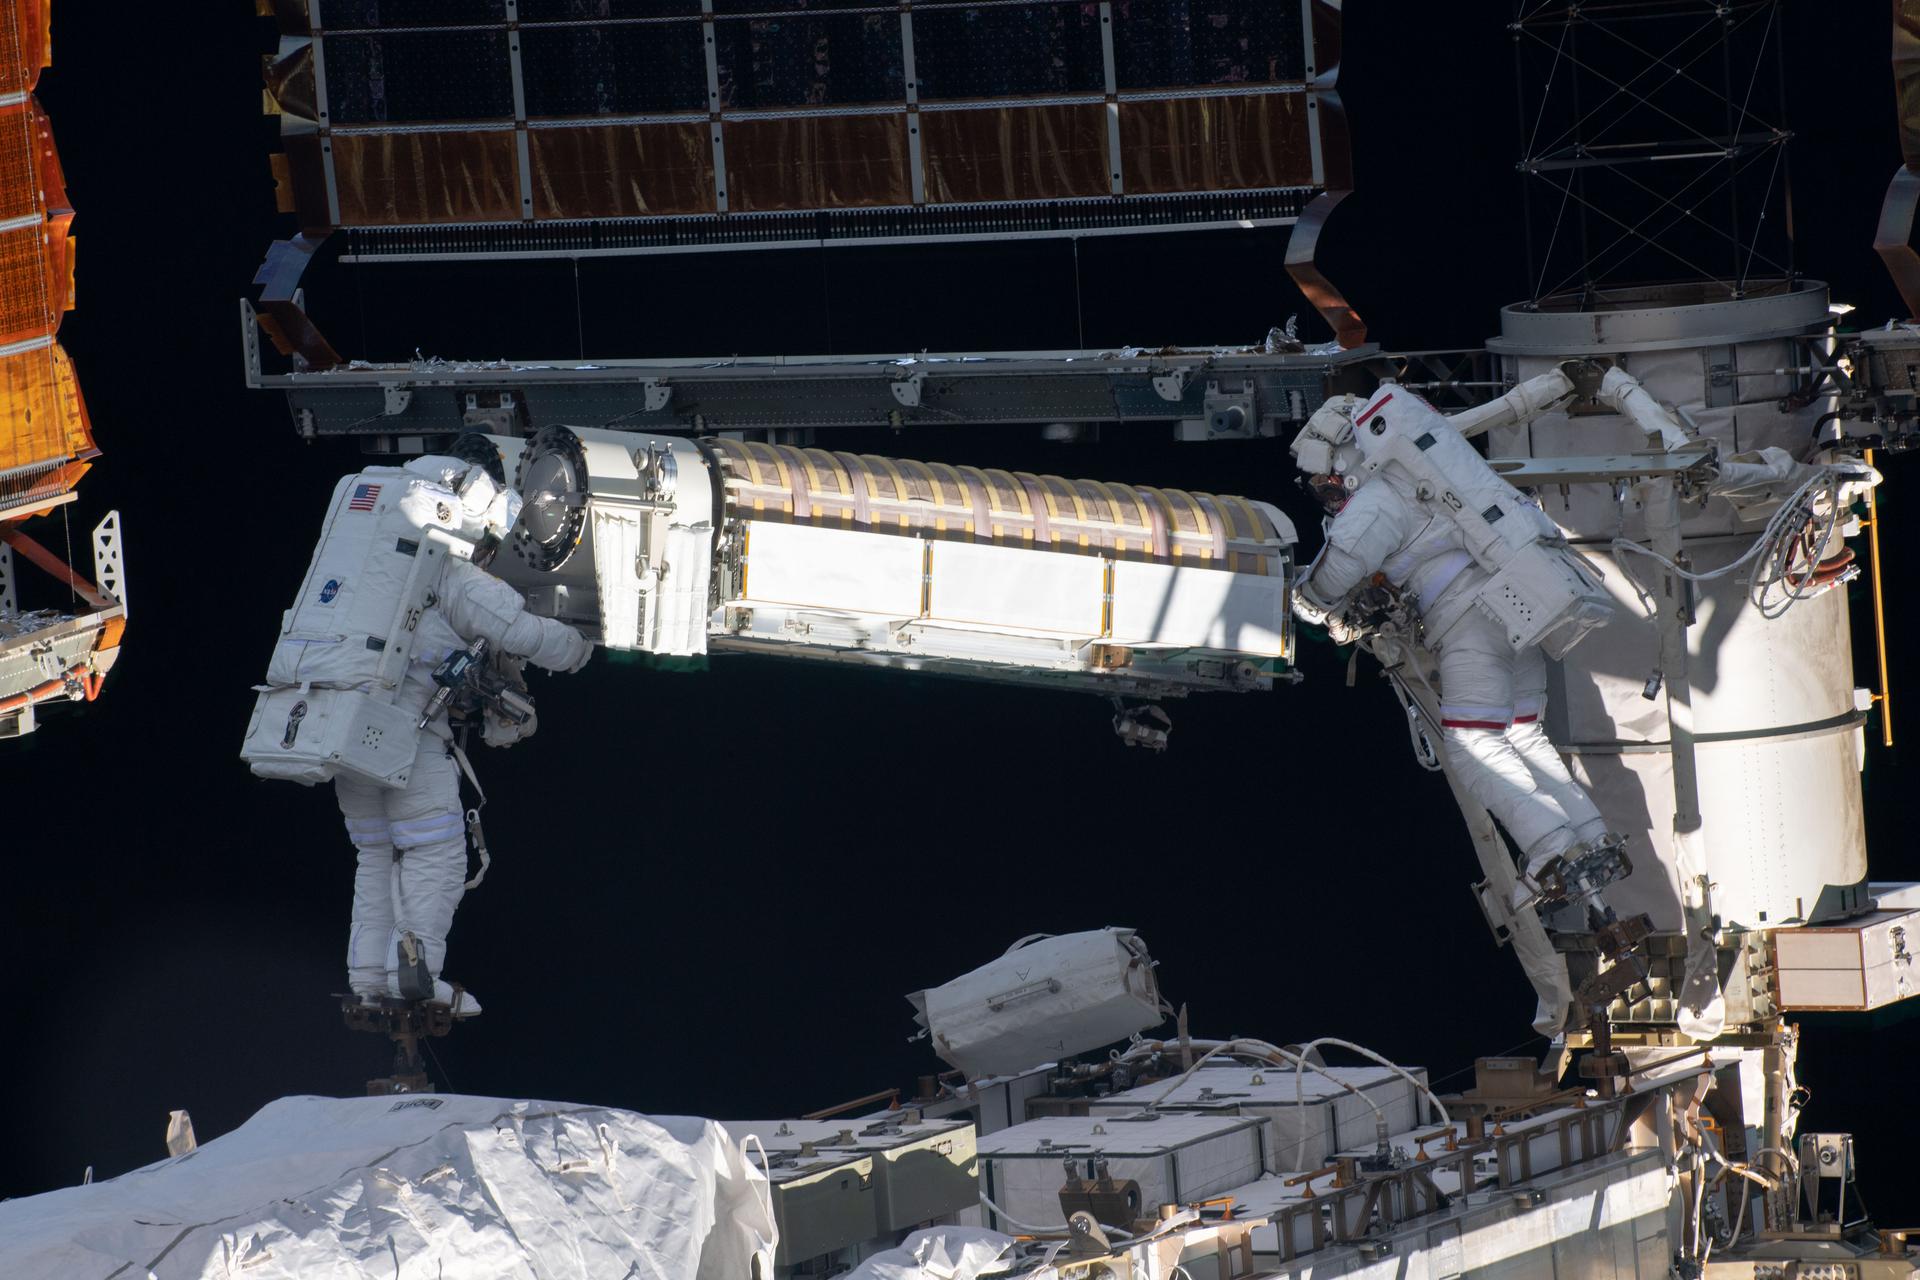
407 1023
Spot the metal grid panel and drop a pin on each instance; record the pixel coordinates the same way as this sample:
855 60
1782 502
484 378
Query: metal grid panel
613 70
1161 44
815 110
803 59
995 51
418 76
581 10
340 15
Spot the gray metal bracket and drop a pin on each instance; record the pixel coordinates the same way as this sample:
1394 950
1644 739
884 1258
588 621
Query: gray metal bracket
1530 473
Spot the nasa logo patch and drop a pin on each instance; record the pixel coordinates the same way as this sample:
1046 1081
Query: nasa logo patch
329 590
294 717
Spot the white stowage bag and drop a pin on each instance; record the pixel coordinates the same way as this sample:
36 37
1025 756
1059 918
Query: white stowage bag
416 1187
938 1253
1048 997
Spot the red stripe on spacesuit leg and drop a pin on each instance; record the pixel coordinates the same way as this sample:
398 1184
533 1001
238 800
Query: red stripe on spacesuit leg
1473 724
1527 719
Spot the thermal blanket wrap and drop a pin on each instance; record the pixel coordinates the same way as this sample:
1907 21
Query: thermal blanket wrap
399 1188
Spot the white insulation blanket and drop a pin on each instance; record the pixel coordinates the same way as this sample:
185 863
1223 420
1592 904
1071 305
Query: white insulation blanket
430 1186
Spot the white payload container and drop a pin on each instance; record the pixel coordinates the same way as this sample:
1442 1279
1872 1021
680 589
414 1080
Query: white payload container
1047 998
1308 1126
1173 1157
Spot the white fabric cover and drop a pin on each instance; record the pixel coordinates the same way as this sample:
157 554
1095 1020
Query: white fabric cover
413 1188
938 1253
1047 998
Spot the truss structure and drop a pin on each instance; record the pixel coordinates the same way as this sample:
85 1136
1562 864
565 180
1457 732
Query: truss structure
1653 146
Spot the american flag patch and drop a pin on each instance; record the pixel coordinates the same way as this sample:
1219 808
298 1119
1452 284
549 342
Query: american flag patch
364 496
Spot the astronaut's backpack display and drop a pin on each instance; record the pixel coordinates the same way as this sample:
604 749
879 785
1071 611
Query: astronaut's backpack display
327 706
1541 591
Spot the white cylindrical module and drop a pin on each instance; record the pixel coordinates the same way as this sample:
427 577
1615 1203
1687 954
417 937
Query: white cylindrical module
690 546
1776 726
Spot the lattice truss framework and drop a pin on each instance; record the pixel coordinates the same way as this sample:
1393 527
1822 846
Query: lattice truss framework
1654 144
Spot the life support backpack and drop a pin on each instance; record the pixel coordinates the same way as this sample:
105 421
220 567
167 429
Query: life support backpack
1539 590
328 704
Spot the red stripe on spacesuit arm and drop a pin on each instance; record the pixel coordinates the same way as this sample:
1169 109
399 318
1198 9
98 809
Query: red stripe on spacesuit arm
1372 409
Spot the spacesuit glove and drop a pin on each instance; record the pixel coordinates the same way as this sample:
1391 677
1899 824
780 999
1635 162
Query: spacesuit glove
497 731
1338 630
1307 611
586 655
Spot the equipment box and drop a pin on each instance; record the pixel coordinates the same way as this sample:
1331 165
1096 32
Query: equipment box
1311 1118
922 1170
1864 964
1172 1157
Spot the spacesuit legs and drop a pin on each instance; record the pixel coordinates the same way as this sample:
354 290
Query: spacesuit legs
412 869
370 936
1528 736
1477 667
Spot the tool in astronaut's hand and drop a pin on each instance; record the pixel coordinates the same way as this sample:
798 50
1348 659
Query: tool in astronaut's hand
466 674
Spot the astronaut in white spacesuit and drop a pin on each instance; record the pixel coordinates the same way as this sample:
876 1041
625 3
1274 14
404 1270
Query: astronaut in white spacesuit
412 843
411 838
1492 696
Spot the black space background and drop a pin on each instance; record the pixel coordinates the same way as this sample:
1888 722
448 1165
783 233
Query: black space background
710 891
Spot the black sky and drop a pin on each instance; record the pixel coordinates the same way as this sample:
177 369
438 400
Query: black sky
710 891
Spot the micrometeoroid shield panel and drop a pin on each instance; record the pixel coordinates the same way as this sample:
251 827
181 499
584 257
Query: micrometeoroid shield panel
675 547
761 125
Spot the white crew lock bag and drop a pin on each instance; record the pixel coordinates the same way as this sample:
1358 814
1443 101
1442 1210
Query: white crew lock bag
1047 998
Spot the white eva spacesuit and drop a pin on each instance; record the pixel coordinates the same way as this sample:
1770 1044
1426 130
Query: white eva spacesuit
391 593
1491 582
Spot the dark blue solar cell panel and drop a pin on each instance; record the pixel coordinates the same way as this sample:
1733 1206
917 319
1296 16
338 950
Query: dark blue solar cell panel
575 10
981 51
807 59
723 7
613 69
409 13
1165 43
419 76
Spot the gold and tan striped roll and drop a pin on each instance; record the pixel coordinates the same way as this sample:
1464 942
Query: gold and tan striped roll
890 495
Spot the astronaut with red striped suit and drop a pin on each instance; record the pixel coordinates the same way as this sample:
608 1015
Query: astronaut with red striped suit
1492 694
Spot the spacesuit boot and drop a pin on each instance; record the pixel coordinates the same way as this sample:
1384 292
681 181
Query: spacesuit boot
411 979
464 1003
1577 874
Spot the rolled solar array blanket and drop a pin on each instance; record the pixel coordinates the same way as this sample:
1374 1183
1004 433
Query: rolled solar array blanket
679 547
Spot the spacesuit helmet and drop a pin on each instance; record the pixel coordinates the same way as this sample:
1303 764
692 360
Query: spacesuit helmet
1324 449
1325 445
475 449
490 510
